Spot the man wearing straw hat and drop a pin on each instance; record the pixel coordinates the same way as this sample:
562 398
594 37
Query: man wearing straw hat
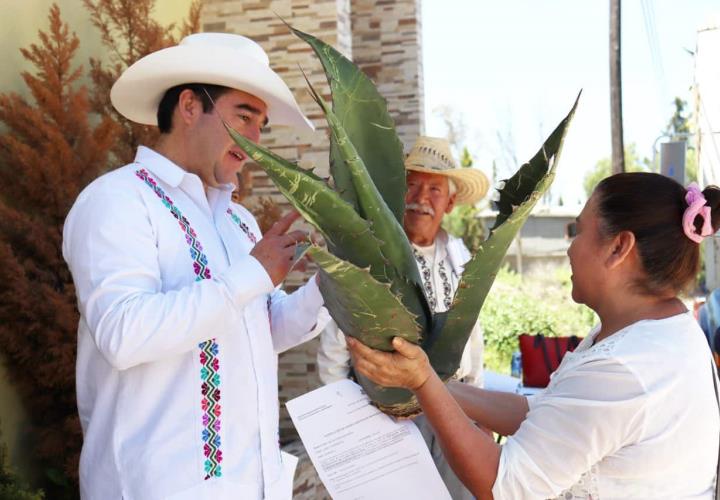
181 320
435 185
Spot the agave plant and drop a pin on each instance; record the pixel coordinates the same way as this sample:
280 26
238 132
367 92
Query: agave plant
368 275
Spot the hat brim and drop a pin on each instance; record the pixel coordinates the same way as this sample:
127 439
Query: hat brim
137 93
472 185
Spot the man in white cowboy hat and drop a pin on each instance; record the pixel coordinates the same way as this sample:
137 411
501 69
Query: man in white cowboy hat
435 185
181 320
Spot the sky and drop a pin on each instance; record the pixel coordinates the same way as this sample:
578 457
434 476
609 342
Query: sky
511 69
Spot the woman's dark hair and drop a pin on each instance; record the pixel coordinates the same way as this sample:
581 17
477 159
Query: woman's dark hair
172 95
651 206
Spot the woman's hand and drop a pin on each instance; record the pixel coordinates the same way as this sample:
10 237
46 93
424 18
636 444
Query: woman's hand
407 367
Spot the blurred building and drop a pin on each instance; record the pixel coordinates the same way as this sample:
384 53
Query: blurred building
543 240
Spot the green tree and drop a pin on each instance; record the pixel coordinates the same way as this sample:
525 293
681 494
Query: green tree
129 31
11 486
49 149
679 126
633 163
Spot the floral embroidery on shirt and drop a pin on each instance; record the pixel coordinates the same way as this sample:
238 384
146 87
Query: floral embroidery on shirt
586 488
211 407
606 347
427 282
447 288
242 225
209 350
196 250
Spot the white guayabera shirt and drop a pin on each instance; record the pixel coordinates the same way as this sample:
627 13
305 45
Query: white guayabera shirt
440 267
178 339
633 416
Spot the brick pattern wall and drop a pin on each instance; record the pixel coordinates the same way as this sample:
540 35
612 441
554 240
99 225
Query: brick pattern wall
383 38
386 44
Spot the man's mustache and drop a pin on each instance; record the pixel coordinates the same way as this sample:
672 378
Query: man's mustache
418 207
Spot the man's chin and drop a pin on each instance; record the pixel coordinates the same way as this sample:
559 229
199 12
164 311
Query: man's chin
229 174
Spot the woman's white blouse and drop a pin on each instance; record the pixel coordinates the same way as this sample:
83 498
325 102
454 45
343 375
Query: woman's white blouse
634 416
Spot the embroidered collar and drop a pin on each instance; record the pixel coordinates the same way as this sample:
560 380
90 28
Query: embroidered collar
165 170
162 168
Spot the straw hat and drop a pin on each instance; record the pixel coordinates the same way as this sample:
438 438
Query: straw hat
214 58
432 155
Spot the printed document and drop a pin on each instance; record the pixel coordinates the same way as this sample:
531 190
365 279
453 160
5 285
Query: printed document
361 453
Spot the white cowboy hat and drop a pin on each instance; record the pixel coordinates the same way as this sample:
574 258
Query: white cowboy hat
432 155
214 58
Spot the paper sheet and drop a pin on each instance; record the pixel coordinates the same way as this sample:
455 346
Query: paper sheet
361 453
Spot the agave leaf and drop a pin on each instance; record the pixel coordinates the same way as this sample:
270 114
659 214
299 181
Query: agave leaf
362 111
362 306
372 207
369 311
347 233
521 192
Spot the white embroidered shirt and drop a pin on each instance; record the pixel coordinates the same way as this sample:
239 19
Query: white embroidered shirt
161 416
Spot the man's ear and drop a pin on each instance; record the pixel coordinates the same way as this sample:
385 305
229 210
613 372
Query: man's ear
623 244
189 107
451 203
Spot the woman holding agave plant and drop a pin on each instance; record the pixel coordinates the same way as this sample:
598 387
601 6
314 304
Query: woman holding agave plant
633 412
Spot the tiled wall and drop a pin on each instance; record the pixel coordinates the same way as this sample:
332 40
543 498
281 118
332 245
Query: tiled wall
386 45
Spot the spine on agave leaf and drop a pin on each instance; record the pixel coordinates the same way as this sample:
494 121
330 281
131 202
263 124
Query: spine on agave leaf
451 331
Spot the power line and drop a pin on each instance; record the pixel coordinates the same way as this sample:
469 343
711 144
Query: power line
648 11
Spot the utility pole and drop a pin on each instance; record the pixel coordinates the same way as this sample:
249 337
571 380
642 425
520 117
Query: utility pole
616 124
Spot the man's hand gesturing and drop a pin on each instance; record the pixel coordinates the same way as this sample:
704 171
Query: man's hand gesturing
276 249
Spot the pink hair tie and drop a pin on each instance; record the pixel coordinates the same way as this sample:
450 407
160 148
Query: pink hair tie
696 206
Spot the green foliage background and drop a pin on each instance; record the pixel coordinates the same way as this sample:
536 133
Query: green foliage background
536 303
603 168
11 486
